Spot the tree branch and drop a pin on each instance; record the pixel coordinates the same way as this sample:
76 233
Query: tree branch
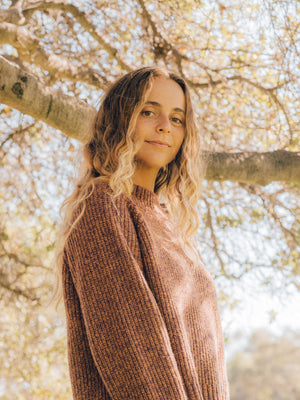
214 238
164 46
81 18
24 92
19 292
30 50
253 167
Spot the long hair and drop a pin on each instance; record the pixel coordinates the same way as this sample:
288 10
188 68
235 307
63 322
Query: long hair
109 156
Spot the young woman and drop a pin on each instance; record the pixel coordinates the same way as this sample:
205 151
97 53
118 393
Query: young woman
141 309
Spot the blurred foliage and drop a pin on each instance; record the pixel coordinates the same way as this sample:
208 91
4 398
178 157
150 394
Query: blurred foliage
267 369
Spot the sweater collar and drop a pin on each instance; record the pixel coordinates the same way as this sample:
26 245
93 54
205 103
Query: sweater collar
146 196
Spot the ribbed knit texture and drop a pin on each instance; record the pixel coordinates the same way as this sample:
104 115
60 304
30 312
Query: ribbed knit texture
142 324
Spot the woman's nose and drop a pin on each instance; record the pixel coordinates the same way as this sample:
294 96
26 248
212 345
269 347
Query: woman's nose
163 124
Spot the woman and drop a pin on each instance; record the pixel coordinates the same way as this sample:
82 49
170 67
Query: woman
142 314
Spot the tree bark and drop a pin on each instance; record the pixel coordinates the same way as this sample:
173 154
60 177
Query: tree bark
24 92
30 50
254 167
19 17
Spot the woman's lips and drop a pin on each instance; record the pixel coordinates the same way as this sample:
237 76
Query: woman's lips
158 144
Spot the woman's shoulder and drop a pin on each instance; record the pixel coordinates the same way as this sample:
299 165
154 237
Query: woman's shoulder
102 200
102 188
98 201
102 214
103 194
99 209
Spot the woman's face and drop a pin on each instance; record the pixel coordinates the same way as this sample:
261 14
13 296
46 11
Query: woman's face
162 119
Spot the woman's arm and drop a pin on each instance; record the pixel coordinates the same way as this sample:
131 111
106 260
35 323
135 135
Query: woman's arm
127 335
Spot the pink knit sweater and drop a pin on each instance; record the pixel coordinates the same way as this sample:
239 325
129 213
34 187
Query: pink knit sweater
141 323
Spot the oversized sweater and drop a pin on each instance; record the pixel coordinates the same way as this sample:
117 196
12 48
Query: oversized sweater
142 322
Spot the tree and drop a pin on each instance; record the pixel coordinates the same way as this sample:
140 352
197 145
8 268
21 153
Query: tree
267 369
19 88
242 64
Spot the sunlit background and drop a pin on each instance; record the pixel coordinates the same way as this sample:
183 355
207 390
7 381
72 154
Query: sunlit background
242 62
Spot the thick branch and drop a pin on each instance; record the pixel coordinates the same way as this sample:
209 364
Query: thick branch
30 50
253 167
24 92
81 18
13 14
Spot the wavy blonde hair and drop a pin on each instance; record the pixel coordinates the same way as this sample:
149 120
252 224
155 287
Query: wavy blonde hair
109 156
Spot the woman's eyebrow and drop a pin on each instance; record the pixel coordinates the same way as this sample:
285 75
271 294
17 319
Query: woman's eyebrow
155 103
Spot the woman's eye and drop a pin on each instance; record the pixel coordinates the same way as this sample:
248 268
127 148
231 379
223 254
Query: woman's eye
147 113
177 121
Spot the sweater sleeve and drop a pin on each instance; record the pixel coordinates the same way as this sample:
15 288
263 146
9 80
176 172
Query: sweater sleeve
126 332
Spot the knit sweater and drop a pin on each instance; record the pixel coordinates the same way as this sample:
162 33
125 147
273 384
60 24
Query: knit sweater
142 324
